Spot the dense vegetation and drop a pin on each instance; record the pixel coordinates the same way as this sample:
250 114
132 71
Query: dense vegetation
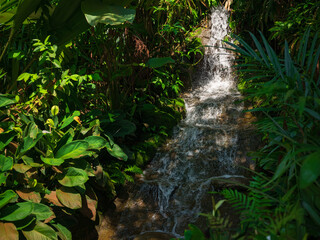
89 88
278 69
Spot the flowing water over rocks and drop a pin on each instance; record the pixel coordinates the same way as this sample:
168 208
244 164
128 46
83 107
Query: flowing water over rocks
209 144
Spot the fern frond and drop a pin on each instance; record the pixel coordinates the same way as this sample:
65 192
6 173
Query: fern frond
133 169
238 200
128 177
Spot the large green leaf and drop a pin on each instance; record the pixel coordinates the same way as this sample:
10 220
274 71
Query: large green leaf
68 120
73 149
310 169
116 151
6 197
96 142
3 178
41 231
194 233
6 138
72 177
29 143
99 12
84 165
6 100
41 211
159 62
31 162
52 161
69 197
21 224
67 138
17 211
6 163
8 231
63 232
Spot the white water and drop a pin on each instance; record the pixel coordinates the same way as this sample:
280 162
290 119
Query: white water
204 145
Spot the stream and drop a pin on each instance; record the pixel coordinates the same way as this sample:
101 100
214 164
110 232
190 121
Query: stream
205 146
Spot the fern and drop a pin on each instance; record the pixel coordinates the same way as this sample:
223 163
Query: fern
133 169
128 177
117 175
286 219
238 200
220 227
255 207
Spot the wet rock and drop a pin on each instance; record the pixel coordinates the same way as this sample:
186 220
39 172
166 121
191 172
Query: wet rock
233 182
154 236
150 176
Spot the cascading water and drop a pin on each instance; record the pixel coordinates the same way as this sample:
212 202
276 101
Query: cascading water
175 186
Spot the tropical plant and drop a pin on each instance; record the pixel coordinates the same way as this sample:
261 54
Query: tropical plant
63 21
82 109
254 15
53 162
301 16
45 172
219 226
283 200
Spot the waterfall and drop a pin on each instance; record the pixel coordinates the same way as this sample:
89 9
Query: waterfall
175 186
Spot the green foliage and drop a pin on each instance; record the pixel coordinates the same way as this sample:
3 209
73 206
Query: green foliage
256 14
50 168
194 233
68 19
300 16
49 159
82 106
219 226
289 87
101 12
282 200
